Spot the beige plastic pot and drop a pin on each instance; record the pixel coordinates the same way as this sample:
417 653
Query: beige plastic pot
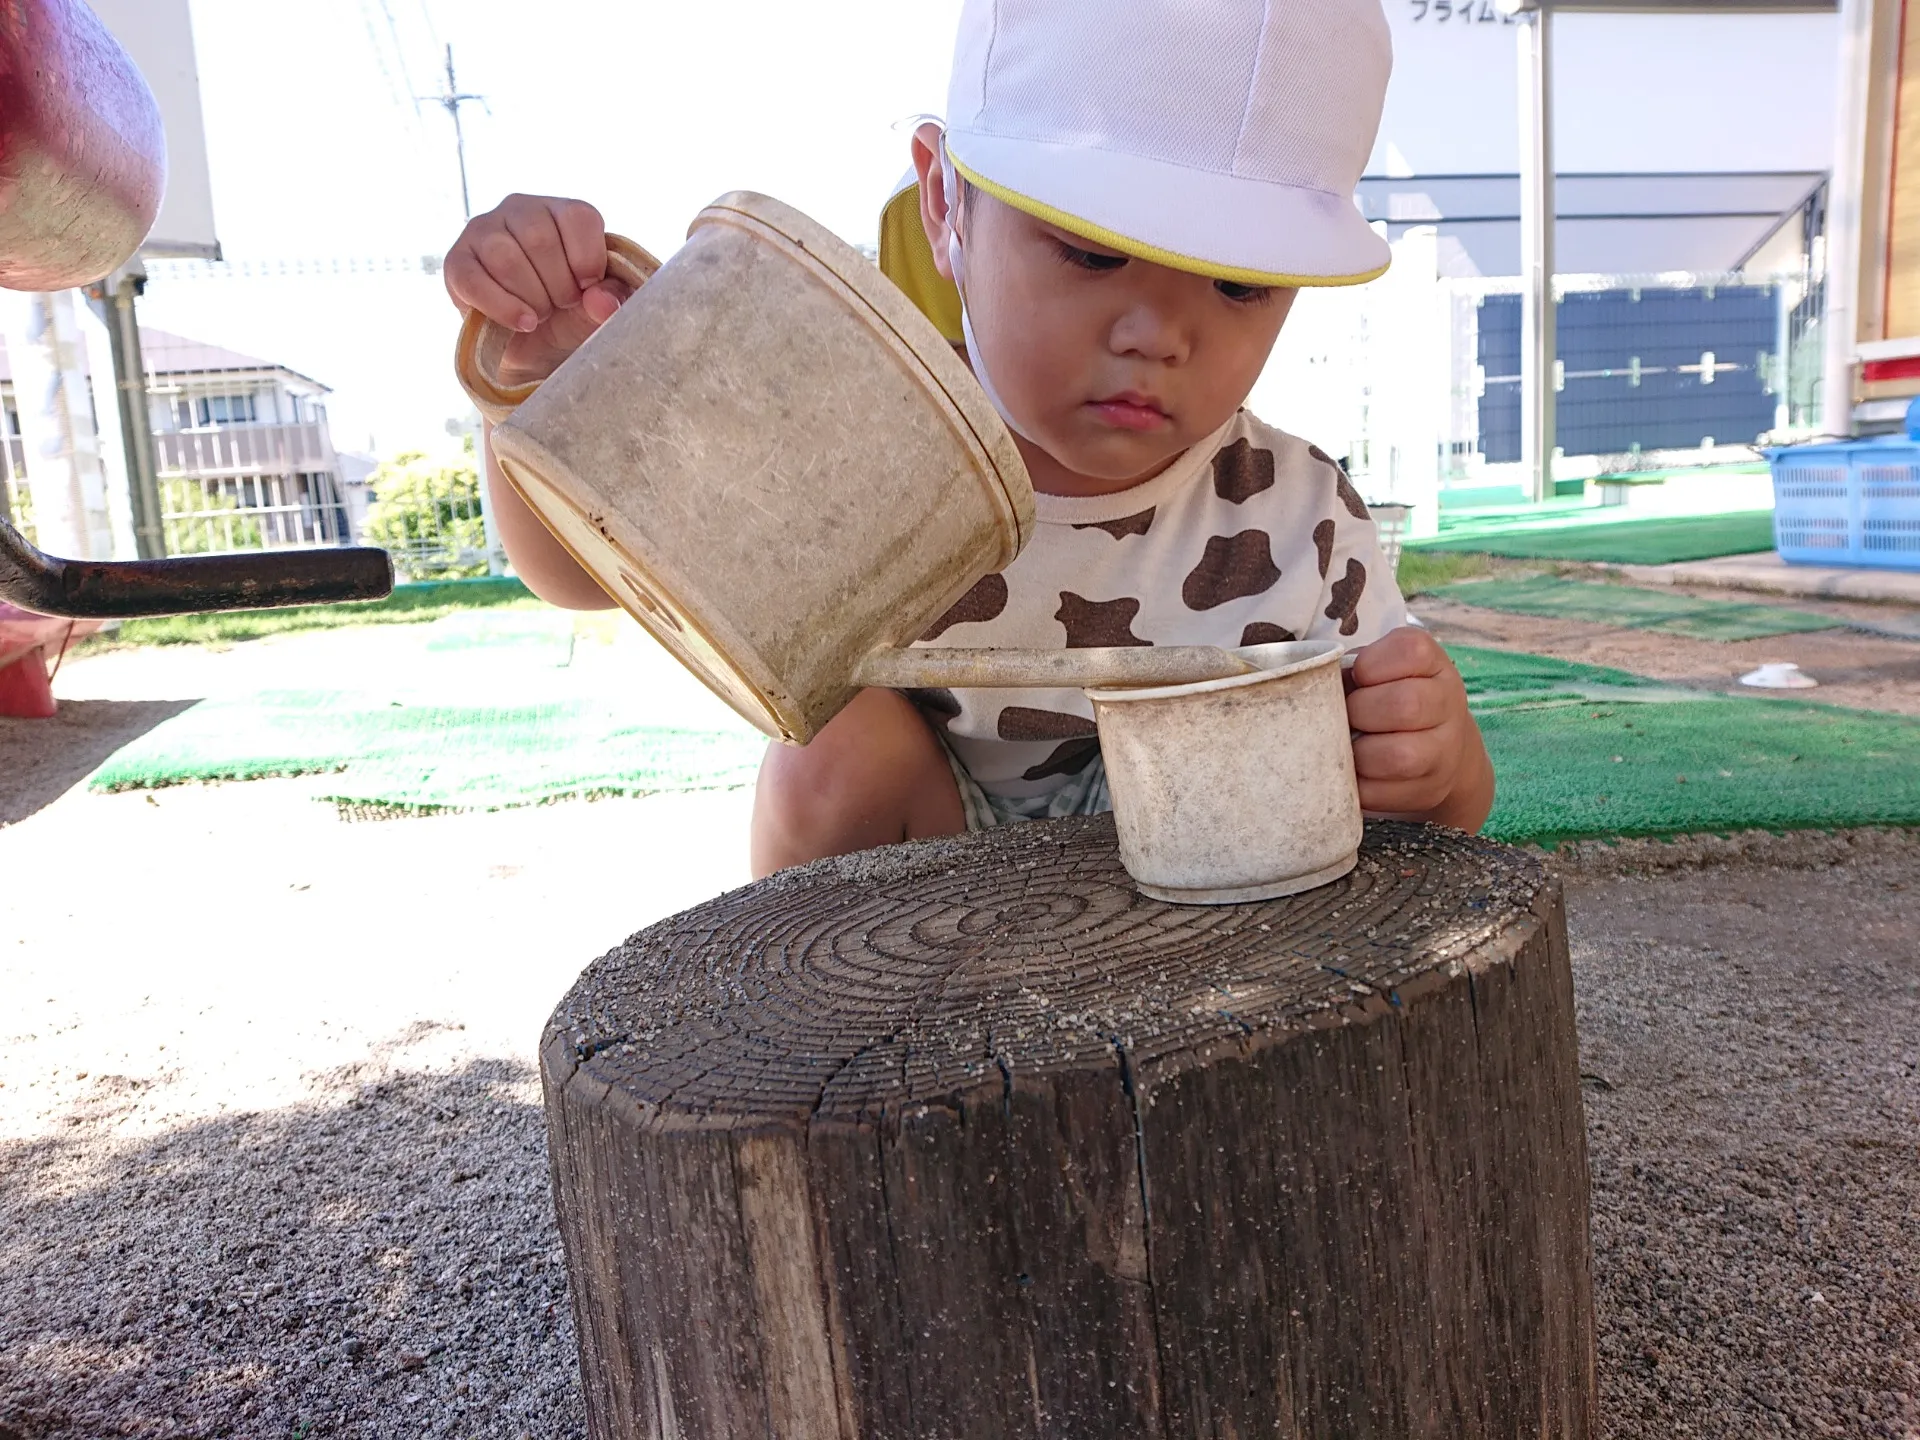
771 460
1235 789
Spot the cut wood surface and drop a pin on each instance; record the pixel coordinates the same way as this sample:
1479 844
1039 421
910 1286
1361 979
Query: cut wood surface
969 1139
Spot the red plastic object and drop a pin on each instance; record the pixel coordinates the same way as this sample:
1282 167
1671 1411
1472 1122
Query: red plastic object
1907 367
83 156
26 691
28 644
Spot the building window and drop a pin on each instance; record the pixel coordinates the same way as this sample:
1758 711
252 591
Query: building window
226 410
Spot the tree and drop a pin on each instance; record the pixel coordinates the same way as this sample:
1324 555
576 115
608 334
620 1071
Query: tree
426 513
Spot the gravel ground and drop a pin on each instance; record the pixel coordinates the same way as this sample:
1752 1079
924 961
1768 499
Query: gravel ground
234 1209
272 1162
1750 1037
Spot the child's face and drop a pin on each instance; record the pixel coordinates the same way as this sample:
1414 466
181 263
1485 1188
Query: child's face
1110 366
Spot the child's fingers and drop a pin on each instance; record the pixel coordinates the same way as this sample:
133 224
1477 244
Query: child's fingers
508 266
472 288
535 230
1419 703
1398 655
1402 756
1400 797
601 300
584 235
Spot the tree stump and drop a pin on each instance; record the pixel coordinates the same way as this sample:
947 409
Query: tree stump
968 1140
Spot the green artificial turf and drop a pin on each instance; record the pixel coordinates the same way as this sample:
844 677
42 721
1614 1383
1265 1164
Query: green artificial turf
1631 608
390 755
1655 540
1420 572
1582 751
488 716
1579 750
408 605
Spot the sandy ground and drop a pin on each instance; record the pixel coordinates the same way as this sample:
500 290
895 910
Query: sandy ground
271 1154
1870 672
272 1161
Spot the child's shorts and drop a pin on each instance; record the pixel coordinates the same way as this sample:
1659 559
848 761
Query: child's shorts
1085 793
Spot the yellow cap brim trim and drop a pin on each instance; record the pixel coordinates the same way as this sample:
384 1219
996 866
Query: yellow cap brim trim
907 259
1153 254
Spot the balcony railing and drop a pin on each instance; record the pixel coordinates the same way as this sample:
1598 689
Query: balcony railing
223 452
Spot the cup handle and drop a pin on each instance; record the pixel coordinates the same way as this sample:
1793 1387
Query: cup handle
482 343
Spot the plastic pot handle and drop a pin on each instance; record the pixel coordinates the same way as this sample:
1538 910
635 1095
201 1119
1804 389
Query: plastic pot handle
1097 667
482 343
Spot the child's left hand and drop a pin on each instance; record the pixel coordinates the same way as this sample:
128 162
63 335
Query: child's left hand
1418 752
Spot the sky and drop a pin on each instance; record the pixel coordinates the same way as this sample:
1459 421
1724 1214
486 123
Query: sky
318 150
648 110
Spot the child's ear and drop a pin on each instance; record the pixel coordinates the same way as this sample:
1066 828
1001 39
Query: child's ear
936 206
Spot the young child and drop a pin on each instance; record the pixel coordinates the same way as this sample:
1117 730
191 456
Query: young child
1111 228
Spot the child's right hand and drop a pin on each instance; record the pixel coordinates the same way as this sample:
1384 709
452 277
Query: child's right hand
537 265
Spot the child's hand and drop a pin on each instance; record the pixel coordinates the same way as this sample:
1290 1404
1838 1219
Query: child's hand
538 266
1418 753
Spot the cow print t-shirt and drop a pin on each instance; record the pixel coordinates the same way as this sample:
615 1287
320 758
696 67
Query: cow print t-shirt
1250 537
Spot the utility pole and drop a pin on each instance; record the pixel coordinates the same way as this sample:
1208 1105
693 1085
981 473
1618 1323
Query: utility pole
450 100
117 294
1539 347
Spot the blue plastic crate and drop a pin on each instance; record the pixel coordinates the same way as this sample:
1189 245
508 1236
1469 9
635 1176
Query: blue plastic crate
1849 503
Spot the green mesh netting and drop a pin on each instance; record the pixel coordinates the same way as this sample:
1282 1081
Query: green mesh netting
1686 761
402 756
1658 540
1634 609
1578 753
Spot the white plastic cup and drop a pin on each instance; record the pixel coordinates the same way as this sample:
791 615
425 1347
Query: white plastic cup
1235 789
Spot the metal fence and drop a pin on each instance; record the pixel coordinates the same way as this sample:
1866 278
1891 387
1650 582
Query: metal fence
1414 380
1671 364
428 515
243 448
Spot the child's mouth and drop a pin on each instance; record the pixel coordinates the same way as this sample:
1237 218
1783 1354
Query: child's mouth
1130 411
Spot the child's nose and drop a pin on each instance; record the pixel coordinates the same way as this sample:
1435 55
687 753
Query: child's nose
1151 332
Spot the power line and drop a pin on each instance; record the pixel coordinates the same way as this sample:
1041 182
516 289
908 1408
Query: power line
380 58
400 53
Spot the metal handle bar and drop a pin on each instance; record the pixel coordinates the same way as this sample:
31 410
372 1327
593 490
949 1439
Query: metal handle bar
123 589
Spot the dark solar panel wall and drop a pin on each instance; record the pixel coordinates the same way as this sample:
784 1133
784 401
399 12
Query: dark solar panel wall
1647 369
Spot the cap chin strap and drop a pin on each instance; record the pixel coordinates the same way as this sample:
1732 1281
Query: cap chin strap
957 260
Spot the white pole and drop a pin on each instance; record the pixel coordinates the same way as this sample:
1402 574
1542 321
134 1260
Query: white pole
97 343
1538 348
71 513
496 552
1840 325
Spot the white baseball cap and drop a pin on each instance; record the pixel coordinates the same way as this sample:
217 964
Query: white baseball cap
1221 137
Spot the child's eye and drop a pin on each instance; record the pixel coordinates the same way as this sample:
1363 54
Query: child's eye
1244 294
1088 259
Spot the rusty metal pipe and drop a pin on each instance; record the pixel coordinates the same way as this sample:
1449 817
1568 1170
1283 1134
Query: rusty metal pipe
124 589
